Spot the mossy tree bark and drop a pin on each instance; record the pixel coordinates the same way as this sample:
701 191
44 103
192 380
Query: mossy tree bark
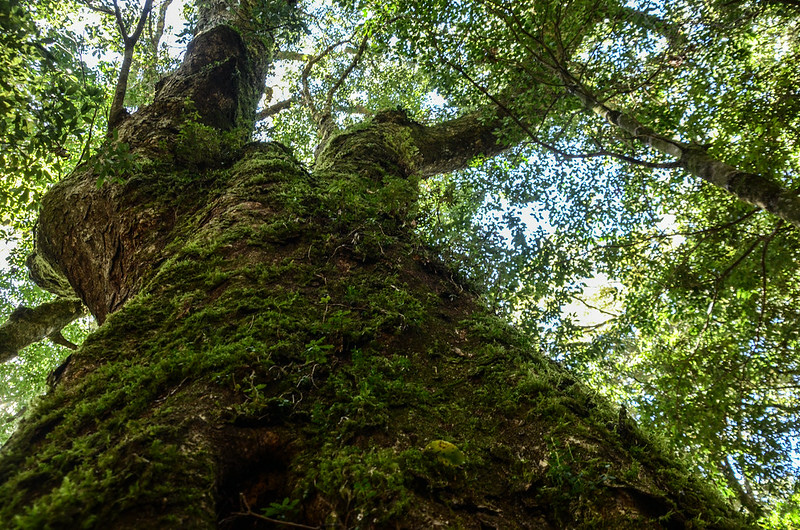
278 339
26 326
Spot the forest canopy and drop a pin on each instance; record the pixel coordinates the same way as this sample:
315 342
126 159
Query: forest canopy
641 222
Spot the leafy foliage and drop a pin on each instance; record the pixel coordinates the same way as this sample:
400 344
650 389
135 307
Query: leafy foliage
47 103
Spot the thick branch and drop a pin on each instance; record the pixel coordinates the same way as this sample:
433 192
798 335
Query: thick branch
436 149
751 188
452 145
418 149
275 109
213 13
26 326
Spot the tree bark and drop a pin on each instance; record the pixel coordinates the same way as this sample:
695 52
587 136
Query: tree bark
218 85
277 344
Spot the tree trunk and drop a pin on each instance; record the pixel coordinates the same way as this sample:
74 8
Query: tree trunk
277 345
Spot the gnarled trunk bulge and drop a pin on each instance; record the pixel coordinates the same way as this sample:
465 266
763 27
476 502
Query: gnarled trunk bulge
277 346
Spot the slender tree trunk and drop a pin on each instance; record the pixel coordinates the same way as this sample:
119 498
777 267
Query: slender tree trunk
277 344
117 112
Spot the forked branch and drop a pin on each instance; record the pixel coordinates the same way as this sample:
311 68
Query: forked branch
117 112
323 116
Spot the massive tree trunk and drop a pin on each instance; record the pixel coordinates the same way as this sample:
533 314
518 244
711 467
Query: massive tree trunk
278 338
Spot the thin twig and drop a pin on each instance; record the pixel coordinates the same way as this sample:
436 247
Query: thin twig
763 307
721 278
251 513
704 231
97 8
590 306
718 283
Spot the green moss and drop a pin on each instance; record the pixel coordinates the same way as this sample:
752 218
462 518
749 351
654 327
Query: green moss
445 453
371 486
199 146
293 302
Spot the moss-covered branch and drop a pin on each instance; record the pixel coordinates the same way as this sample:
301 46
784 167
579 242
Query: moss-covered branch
451 145
26 326
432 150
